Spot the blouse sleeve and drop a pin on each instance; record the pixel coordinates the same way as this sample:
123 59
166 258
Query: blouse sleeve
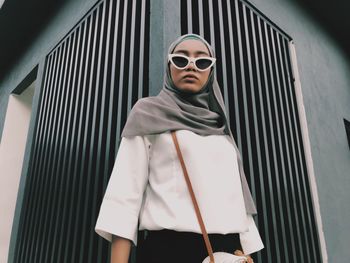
251 241
119 211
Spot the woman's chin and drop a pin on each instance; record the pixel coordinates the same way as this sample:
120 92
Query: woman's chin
189 87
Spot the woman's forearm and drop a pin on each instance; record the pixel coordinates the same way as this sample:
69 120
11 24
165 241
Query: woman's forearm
120 250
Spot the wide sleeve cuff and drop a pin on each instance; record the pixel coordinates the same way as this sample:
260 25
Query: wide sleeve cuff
122 223
251 241
120 208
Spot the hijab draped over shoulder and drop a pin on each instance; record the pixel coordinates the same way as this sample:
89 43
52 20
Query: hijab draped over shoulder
202 112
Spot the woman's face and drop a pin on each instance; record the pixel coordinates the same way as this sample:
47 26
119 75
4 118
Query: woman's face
190 79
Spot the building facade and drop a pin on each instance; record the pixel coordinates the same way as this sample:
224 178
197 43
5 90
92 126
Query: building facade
65 101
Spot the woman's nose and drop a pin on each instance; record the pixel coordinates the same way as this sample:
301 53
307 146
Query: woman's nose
191 66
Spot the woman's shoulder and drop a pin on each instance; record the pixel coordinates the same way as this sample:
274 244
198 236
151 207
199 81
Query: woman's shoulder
189 133
186 135
143 102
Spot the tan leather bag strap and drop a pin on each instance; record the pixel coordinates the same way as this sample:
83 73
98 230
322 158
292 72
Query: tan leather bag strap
195 204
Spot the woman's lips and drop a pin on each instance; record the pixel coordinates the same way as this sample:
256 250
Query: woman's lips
190 78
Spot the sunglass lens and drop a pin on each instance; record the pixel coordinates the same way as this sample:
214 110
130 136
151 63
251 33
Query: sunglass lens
203 63
181 62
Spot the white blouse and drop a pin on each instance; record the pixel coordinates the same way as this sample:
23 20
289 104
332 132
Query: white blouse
147 185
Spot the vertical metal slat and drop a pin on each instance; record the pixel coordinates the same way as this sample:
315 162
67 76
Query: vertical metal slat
262 151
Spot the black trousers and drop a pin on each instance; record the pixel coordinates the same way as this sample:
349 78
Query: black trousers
169 246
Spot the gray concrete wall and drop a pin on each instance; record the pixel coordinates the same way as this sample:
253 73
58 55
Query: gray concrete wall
163 33
11 160
59 26
325 81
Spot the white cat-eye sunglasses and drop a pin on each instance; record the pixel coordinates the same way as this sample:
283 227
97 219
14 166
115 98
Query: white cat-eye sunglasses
200 63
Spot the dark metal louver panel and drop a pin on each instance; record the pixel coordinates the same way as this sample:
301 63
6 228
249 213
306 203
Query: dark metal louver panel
91 80
254 71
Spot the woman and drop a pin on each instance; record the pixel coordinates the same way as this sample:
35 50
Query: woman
147 201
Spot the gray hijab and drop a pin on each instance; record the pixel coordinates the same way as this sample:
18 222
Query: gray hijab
202 112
